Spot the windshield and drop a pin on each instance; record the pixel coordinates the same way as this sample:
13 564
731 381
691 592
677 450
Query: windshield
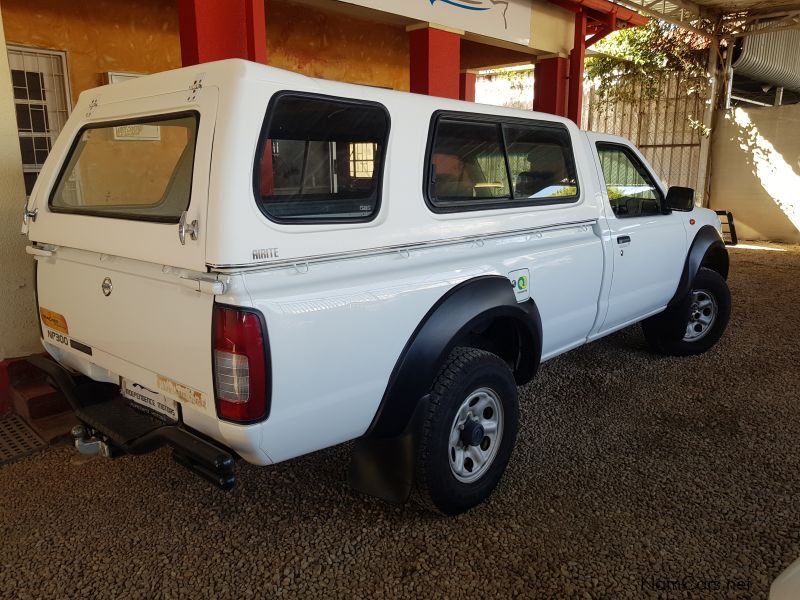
130 170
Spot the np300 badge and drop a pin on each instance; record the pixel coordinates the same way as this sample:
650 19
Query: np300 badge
107 286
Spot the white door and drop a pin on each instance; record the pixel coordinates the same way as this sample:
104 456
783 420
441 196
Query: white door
648 242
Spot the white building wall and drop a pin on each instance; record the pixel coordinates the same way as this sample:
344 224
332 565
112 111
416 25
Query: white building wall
19 334
755 171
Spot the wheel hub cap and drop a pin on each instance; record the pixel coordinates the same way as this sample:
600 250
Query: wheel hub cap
472 434
475 435
702 314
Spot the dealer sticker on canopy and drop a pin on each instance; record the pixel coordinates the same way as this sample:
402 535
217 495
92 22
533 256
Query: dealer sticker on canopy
149 399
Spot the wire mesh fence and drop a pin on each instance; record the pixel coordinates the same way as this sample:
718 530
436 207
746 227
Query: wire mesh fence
667 128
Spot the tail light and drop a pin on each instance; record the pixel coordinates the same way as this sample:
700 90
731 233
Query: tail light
240 365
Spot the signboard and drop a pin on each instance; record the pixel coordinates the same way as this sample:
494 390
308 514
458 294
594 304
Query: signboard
508 20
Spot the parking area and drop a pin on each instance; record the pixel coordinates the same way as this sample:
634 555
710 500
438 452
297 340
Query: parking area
633 474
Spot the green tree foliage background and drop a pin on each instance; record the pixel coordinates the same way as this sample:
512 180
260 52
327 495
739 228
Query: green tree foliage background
632 63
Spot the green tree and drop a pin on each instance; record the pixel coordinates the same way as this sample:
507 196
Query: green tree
631 63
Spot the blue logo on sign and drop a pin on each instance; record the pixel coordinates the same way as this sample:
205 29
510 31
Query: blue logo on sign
467 4
479 5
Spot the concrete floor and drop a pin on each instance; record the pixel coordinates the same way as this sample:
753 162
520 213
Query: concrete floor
633 472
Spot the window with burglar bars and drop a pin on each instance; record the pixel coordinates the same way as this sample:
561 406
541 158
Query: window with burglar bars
41 96
362 160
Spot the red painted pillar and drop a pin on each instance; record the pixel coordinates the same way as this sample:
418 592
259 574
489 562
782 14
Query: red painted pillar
550 86
435 62
575 96
217 29
467 86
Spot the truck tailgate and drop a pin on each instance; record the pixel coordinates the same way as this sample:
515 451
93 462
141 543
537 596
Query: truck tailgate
137 320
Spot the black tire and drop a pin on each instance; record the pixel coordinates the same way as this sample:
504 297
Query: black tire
465 372
668 332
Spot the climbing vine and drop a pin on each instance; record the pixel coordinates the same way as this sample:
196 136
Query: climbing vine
631 64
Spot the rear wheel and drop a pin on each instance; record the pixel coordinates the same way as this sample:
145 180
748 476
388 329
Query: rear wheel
696 324
468 433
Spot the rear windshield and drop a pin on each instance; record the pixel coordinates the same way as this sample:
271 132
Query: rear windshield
130 170
321 160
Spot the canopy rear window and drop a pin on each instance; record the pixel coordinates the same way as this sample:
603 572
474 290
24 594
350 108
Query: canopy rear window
320 159
134 169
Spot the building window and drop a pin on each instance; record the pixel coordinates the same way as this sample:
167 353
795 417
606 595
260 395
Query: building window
362 160
41 96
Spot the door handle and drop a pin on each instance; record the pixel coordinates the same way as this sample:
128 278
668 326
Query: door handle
185 228
623 239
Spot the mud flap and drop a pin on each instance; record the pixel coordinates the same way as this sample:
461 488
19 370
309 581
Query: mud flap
385 467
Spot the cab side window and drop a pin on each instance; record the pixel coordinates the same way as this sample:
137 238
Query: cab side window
483 163
540 160
467 164
631 189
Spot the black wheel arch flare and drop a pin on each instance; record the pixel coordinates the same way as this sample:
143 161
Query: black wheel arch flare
383 458
467 307
707 250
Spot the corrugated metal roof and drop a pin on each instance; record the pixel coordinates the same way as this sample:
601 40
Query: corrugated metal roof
766 34
687 11
772 57
729 6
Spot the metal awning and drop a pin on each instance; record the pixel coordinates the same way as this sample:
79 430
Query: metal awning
728 18
772 57
761 39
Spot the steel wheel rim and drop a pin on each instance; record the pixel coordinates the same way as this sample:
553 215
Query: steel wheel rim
468 463
702 315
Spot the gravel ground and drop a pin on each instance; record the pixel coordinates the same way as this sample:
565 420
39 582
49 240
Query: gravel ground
630 470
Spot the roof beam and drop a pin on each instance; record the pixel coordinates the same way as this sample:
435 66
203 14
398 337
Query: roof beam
678 4
656 15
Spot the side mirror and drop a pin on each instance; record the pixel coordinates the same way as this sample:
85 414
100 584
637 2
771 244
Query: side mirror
680 198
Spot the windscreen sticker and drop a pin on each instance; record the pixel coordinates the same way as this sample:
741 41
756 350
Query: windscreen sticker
54 320
182 392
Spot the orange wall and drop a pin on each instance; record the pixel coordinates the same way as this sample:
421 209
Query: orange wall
141 36
333 46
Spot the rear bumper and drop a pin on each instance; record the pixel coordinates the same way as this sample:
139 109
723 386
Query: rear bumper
112 419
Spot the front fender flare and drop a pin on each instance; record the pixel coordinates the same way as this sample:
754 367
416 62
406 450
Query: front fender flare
707 244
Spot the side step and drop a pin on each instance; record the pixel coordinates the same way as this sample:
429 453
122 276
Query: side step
112 420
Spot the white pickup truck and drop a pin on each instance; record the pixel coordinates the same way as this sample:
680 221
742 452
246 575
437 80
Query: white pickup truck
241 262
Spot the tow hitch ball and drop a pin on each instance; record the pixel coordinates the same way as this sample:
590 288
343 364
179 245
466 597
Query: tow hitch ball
89 445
